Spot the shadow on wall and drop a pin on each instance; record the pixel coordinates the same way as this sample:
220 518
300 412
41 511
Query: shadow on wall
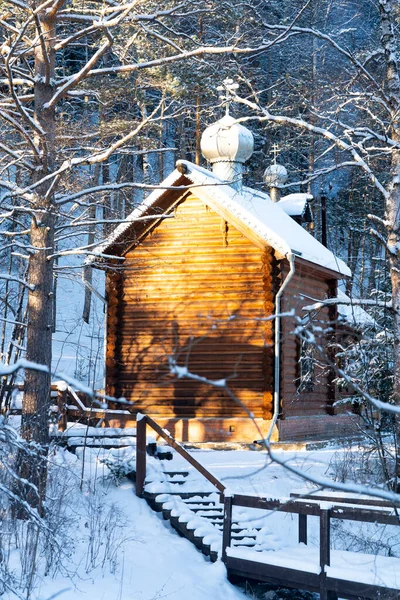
231 349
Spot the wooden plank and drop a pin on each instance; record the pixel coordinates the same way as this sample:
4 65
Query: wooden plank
227 528
62 408
365 515
302 529
140 455
306 508
345 498
354 590
324 550
292 578
188 457
272 574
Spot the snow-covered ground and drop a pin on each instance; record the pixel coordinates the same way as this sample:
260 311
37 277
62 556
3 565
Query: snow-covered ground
117 548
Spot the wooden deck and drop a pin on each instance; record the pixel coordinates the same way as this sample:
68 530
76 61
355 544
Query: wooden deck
331 573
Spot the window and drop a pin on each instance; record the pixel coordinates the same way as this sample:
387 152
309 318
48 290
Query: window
306 359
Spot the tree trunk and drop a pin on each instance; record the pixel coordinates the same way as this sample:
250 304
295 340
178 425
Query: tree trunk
36 403
393 199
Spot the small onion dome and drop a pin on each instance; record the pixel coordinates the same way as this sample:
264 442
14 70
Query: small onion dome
227 141
275 175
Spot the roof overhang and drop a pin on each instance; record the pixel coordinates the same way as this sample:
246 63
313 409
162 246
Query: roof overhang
250 211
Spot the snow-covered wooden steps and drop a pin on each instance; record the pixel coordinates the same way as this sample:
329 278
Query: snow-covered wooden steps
196 515
78 436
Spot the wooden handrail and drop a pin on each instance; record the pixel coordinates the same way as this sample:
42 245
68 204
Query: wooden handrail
311 507
345 498
141 422
384 515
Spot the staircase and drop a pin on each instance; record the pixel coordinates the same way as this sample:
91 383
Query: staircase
83 436
188 497
194 510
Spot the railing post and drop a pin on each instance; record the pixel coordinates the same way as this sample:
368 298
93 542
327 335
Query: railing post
62 406
141 423
324 550
302 529
227 530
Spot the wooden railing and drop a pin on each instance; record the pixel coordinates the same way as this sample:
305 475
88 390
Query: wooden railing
142 421
382 514
69 404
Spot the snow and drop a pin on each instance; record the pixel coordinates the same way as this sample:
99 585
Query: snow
293 558
350 566
152 561
252 208
294 205
353 313
79 429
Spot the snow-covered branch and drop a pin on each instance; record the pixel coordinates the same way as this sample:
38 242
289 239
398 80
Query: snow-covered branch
8 277
347 302
266 115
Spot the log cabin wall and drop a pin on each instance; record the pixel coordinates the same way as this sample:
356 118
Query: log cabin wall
308 412
193 291
315 395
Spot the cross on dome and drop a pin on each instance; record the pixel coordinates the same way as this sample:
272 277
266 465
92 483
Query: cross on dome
229 88
275 151
226 144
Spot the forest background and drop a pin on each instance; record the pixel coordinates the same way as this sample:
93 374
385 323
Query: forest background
98 100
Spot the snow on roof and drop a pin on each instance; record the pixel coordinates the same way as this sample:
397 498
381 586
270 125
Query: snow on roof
295 205
253 208
352 313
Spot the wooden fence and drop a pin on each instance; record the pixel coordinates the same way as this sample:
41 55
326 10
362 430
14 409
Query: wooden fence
325 507
328 587
142 421
73 406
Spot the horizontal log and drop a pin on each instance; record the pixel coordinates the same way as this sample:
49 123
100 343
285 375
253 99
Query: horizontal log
203 268
170 389
205 297
213 324
197 239
145 370
181 254
187 414
252 400
185 388
212 311
165 405
196 247
151 274
182 289
203 348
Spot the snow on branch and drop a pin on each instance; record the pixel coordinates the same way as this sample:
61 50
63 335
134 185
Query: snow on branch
361 68
319 131
98 157
349 302
22 363
75 79
8 277
17 3
198 52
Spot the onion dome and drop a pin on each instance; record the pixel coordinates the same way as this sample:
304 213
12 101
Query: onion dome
275 175
227 141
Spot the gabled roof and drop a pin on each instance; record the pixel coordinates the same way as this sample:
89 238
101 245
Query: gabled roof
297 206
250 209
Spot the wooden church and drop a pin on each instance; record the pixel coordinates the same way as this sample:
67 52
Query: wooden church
206 330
